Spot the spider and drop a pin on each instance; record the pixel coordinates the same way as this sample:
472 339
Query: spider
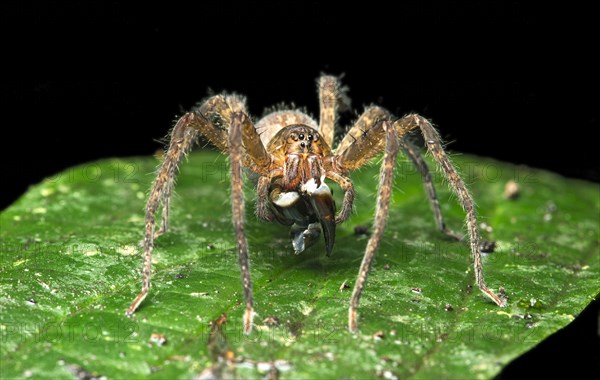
291 155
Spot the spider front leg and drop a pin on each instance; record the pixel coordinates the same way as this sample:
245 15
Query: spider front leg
184 144
182 138
381 215
212 120
238 211
246 150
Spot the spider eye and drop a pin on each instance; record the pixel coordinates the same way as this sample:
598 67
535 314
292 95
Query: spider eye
301 136
303 144
294 136
310 137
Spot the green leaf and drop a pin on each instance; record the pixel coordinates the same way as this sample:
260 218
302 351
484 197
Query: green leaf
70 266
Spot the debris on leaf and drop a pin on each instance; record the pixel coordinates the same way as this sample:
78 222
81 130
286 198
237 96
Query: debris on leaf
361 230
379 335
271 321
387 374
344 286
82 374
442 337
512 190
487 246
448 307
550 210
225 362
158 339
198 294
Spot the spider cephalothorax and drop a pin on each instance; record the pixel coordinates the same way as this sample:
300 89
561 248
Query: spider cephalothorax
291 155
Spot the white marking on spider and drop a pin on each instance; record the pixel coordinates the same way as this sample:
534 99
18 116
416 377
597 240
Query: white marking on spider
310 187
287 199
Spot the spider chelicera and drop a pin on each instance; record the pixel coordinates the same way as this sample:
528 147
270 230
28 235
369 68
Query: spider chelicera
291 155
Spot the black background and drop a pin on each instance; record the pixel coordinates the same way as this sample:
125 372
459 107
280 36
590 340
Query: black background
502 79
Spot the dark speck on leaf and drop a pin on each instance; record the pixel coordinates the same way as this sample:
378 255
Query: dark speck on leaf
81 373
487 246
344 286
360 230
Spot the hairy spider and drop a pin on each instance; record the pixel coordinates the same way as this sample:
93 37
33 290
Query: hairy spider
291 155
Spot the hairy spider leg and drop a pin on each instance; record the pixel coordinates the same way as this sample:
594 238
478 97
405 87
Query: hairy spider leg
364 141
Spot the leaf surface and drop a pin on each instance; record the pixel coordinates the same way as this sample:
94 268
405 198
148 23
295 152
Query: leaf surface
70 264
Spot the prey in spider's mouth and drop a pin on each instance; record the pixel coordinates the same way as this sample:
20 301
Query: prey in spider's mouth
300 198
